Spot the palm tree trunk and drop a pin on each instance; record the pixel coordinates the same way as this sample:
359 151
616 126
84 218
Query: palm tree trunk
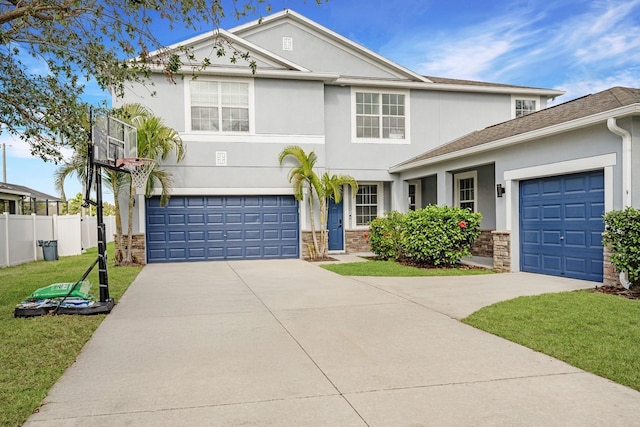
119 254
324 235
316 247
128 256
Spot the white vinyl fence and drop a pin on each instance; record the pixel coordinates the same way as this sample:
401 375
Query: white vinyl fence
19 235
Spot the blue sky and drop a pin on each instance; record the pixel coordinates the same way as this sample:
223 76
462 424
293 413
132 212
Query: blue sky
578 46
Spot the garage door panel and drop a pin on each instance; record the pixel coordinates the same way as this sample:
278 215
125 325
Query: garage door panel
571 225
252 218
532 262
575 210
290 218
550 188
177 236
289 251
551 263
222 227
156 236
252 235
551 237
577 238
178 219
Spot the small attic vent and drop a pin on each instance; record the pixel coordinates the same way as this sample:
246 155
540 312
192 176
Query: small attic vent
287 43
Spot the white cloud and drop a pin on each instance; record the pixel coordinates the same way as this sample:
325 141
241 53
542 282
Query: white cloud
577 88
579 46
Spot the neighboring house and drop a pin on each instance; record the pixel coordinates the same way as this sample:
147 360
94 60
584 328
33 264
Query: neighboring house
360 112
21 200
544 181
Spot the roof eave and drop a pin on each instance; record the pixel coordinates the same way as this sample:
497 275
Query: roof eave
621 112
261 73
233 39
352 81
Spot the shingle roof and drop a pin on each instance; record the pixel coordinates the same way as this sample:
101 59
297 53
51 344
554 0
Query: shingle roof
600 102
446 81
26 191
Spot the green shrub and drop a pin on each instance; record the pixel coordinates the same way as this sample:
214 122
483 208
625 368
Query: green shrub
435 235
622 234
440 235
385 236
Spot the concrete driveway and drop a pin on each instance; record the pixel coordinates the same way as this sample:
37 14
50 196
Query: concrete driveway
287 343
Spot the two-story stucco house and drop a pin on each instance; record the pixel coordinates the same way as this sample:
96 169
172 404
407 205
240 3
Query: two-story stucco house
360 112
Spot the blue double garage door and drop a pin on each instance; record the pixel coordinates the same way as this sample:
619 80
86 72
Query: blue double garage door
561 225
206 228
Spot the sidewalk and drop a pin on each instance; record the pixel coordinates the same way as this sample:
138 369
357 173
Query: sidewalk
276 343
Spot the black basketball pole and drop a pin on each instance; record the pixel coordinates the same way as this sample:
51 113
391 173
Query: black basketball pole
95 172
102 245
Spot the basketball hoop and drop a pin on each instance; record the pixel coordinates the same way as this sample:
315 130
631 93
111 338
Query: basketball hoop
139 168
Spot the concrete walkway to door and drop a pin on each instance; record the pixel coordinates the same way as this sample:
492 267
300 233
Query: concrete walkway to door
287 343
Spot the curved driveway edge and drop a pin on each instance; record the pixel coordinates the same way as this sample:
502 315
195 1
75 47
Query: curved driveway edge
275 343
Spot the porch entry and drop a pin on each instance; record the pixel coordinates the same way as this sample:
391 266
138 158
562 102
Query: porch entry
334 225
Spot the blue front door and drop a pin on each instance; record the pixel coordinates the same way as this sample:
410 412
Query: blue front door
334 225
561 225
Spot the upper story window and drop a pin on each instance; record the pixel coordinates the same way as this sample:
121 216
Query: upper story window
219 106
523 106
380 115
466 190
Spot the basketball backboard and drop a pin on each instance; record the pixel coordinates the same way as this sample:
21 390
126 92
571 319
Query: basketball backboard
113 140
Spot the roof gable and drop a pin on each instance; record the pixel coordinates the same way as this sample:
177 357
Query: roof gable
320 49
206 46
568 113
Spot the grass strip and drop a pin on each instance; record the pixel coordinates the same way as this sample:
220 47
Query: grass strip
394 269
595 332
34 352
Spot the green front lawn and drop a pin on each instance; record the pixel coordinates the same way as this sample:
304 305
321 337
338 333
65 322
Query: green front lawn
394 269
592 331
34 352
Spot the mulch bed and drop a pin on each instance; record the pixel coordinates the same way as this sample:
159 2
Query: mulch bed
613 290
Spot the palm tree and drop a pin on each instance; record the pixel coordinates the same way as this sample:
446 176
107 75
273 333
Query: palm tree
156 141
331 188
303 175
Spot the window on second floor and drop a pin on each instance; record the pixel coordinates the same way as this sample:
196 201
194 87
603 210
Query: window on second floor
380 115
521 106
219 106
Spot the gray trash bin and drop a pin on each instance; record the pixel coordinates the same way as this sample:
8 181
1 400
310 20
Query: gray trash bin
49 249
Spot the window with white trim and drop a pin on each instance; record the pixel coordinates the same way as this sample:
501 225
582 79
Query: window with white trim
466 190
523 105
366 203
219 106
380 115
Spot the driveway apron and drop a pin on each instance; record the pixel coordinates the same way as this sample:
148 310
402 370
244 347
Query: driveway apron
278 343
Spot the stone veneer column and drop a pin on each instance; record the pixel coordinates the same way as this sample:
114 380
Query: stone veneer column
483 245
611 276
138 247
502 250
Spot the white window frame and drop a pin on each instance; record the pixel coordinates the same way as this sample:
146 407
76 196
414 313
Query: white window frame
251 105
459 177
515 98
380 196
418 195
380 140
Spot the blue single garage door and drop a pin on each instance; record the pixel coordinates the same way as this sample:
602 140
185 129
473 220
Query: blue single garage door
561 225
204 228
